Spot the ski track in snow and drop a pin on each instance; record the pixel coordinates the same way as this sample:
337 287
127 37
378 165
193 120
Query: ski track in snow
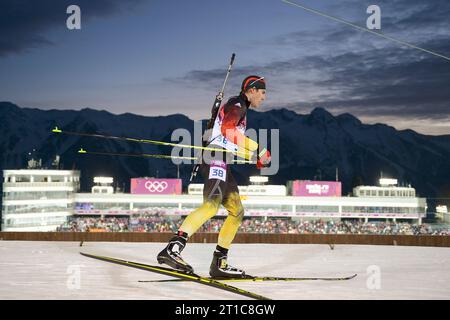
45 270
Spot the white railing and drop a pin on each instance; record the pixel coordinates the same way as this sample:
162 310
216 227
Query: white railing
38 184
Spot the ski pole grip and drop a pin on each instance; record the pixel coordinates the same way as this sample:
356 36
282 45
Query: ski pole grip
262 152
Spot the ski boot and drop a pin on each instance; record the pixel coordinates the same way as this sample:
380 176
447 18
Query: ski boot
220 269
171 253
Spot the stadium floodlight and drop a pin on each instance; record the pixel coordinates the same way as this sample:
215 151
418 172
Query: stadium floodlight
259 179
103 180
388 182
441 209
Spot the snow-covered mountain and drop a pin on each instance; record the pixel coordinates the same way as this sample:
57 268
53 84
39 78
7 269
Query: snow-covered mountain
311 147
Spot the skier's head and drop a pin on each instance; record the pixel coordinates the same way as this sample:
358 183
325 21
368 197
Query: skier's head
254 87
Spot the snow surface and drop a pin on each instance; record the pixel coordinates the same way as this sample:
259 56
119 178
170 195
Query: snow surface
47 270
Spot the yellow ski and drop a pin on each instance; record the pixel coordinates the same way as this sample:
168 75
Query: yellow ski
180 275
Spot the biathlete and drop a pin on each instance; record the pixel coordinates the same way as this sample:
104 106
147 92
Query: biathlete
220 187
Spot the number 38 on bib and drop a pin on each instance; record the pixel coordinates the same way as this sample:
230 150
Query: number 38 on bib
218 170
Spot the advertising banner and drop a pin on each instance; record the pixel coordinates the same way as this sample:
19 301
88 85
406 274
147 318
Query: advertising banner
155 186
305 188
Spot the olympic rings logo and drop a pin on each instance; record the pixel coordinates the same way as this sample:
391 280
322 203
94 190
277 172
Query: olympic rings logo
156 186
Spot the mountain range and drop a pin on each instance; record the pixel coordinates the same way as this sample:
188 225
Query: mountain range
312 146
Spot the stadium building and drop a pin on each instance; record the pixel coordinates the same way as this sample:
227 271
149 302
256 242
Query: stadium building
38 199
41 200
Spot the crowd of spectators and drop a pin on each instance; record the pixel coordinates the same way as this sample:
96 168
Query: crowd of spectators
95 225
158 223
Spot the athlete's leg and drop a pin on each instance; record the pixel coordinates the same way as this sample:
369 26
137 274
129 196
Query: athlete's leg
202 214
232 202
219 267
213 193
213 196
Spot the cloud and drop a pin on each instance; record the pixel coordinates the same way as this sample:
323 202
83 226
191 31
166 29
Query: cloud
388 81
349 71
406 86
24 23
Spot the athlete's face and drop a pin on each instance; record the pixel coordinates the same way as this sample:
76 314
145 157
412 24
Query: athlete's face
256 97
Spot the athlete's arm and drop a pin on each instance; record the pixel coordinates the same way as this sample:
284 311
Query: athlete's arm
232 115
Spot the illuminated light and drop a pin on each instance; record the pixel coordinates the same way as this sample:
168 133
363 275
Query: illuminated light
259 179
441 209
103 180
388 182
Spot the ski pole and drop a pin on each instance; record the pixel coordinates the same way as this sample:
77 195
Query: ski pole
146 155
155 142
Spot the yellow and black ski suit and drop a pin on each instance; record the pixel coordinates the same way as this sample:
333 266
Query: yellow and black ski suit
220 187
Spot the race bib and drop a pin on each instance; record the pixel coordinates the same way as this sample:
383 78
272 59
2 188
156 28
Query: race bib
218 170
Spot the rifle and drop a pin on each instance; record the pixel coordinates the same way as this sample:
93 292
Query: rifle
214 111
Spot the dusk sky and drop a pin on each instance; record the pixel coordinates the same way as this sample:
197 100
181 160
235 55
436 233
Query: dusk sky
155 57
